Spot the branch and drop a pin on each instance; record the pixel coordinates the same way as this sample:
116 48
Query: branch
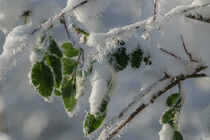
186 51
155 9
125 29
65 26
171 54
64 12
198 18
166 84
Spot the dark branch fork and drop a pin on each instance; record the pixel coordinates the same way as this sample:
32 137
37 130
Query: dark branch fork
186 51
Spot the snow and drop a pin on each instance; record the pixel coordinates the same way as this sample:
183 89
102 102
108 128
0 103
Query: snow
166 132
99 82
11 14
17 42
90 11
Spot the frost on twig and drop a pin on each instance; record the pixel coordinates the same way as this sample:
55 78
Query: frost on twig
102 40
154 94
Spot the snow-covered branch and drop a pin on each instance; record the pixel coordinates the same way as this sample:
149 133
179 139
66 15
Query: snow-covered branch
60 15
113 33
153 94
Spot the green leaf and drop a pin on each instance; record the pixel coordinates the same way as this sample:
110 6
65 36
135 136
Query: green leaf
57 92
102 108
69 50
136 58
168 115
53 48
172 99
69 65
177 136
68 95
78 30
92 123
55 63
119 59
42 79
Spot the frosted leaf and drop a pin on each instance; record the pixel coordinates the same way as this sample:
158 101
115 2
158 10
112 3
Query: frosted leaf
99 82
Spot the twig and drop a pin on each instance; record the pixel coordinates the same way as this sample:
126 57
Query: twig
65 26
198 75
171 54
198 17
64 12
152 100
186 51
125 29
155 9
134 103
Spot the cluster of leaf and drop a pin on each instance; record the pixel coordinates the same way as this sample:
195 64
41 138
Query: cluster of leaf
174 102
119 59
56 72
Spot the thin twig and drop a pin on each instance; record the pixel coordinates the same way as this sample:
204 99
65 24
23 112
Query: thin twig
152 100
198 75
155 9
65 26
134 103
147 22
64 12
186 51
170 53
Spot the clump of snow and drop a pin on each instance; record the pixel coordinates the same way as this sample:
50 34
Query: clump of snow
166 132
90 11
18 41
99 82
